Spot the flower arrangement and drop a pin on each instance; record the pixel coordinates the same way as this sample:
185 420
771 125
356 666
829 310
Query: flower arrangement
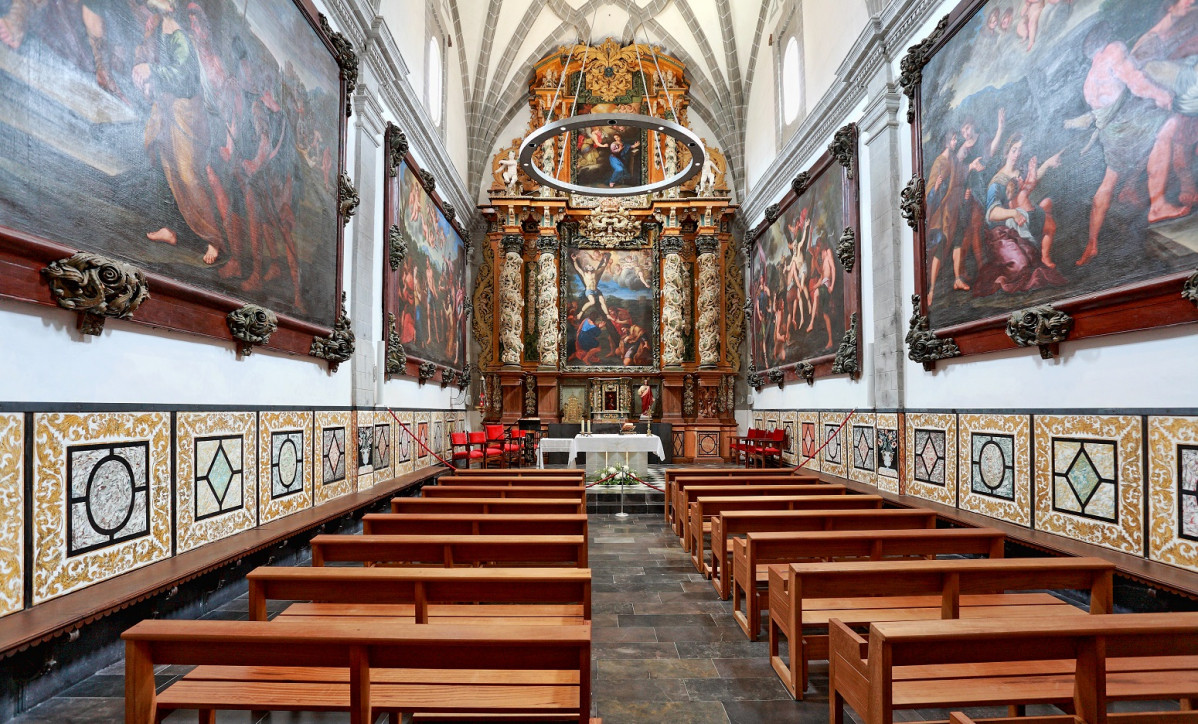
616 475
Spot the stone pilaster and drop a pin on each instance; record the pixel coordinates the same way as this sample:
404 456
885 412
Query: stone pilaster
547 310
672 345
708 326
511 301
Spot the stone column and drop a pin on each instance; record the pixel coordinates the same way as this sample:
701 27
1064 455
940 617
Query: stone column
511 302
709 301
672 345
367 126
547 246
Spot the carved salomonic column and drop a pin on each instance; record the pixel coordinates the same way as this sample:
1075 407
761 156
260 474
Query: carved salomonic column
709 301
672 346
547 244
511 302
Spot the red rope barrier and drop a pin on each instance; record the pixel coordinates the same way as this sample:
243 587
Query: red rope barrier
426 447
828 440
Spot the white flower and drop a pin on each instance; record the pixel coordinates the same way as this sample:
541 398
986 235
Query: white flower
611 470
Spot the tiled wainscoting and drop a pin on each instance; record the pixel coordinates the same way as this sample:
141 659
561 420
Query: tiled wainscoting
1127 481
89 495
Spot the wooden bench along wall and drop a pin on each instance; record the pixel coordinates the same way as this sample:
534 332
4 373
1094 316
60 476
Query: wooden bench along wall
560 481
673 475
733 523
753 554
804 596
1013 662
365 670
512 506
423 595
473 524
1139 717
527 473
689 494
505 491
451 550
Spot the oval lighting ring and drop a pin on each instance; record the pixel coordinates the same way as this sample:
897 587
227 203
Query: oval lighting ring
658 125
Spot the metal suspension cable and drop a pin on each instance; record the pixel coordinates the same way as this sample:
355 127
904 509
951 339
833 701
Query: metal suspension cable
581 78
645 83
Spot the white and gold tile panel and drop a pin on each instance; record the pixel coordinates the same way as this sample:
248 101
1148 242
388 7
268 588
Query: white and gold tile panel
994 463
1088 479
334 455
284 464
789 423
931 456
421 426
364 448
807 430
405 448
888 458
833 437
12 512
102 500
862 455
1173 490
216 491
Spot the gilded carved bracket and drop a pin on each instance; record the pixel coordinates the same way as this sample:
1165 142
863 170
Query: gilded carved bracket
922 343
396 361
846 355
397 148
844 148
777 377
911 202
801 182
347 60
1189 290
771 213
339 345
426 372
250 325
347 199
428 181
670 245
912 64
397 247
806 372
754 379
846 250
96 287
1042 326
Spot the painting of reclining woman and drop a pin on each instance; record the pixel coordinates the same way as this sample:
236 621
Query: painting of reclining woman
197 140
1058 142
608 156
608 308
796 286
430 287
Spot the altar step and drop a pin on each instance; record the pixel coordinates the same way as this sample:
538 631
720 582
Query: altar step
637 500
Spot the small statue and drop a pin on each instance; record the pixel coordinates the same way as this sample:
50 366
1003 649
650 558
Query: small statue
510 167
707 177
646 393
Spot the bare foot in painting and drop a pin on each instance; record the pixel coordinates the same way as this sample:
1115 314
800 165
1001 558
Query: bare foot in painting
6 35
232 268
1163 211
252 283
211 254
1090 252
1046 261
164 235
960 285
1189 198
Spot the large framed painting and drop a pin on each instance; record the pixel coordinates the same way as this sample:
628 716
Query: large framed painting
424 272
804 289
1056 146
609 308
191 148
608 156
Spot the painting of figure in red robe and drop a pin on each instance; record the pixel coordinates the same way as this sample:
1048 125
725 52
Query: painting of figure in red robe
1058 141
197 140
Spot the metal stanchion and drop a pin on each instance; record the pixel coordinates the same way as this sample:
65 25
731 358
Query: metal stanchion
623 485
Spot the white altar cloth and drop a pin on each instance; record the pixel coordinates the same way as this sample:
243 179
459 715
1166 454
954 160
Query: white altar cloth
622 445
551 445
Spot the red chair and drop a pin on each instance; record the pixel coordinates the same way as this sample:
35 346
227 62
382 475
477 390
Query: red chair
462 448
489 452
747 445
496 441
513 448
771 446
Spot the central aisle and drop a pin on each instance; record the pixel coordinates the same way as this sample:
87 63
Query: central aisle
666 648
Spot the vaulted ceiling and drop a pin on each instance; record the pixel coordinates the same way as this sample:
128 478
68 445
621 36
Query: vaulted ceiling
496 43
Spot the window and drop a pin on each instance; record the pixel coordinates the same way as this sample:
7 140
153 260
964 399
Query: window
434 80
792 90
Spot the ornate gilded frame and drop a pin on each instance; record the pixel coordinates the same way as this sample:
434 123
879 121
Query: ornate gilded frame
841 157
1157 302
173 304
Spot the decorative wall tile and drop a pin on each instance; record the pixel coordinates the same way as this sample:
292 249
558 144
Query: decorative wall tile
931 456
102 500
380 458
863 448
707 442
1088 479
422 434
284 464
334 455
438 433
889 448
759 421
405 462
216 483
1173 490
834 439
810 436
12 513
994 466
679 440
770 420
791 426
364 448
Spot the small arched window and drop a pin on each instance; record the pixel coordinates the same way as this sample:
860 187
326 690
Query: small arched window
792 82
434 80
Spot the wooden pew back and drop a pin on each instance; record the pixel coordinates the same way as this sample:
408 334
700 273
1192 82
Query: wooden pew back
512 506
473 524
451 550
557 481
673 475
526 473
689 494
573 492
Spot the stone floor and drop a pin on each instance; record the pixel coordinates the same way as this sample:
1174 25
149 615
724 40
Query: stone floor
665 649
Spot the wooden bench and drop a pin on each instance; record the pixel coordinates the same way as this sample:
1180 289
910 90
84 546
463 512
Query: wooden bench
423 595
733 523
688 495
560 481
505 491
1079 661
451 550
673 475
753 554
399 668
523 473
805 596
511 506
677 515
473 524
1138 717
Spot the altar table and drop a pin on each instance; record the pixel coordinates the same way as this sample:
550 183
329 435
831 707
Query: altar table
630 450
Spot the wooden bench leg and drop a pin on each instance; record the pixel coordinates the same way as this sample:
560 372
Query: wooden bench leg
208 716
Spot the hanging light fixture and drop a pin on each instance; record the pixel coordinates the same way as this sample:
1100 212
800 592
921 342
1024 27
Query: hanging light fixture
652 124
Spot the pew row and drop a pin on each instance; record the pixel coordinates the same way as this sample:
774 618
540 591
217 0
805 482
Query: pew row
803 597
511 506
689 494
473 524
451 550
675 496
423 595
753 554
546 492
576 481
735 523
523 473
673 475
365 670
1080 661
